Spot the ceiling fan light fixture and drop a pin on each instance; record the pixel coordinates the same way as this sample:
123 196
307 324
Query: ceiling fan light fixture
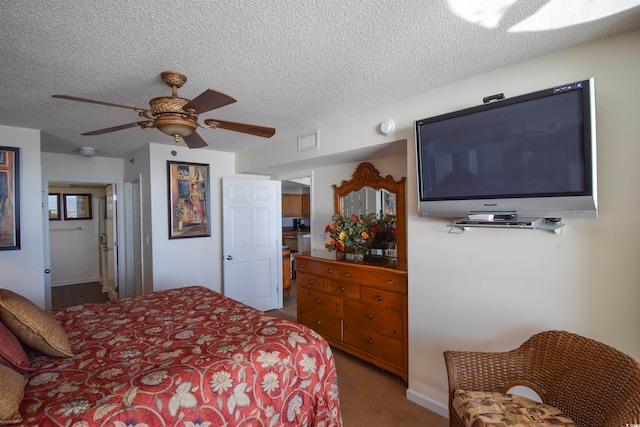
176 125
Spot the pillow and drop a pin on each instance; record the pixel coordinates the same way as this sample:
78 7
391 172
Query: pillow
33 326
11 394
11 352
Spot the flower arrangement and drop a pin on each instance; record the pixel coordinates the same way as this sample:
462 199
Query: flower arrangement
355 233
384 231
347 231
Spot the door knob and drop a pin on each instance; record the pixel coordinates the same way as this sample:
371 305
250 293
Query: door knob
47 270
229 257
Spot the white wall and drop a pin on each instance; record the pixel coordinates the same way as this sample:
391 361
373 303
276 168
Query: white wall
325 178
491 289
75 244
22 271
75 265
74 167
167 263
182 262
138 168
178 263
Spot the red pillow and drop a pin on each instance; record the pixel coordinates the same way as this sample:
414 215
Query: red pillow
12 353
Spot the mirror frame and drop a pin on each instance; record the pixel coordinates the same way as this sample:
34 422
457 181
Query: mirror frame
366 175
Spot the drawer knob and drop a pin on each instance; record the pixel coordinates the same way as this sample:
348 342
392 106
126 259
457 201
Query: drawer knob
329 271
311 281
300 265
318 301
390 282
369 341
369 316
318 322
341 288
347 274
378 298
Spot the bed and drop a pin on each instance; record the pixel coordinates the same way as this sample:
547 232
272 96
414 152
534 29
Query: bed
184 357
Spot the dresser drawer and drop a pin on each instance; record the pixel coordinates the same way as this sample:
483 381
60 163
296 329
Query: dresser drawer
316 267
309 281
343 289
383 299
386 322
383 279
319 304
329 327
385 348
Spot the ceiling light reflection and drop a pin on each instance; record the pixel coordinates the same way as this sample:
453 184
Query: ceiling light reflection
487 13
552 15
560 14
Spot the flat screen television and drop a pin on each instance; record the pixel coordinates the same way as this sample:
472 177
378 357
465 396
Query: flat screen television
533 155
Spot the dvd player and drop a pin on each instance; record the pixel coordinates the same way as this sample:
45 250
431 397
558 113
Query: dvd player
509 223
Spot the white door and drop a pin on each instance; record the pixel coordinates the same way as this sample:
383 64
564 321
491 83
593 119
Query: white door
46 248
355 202
360 202
251 242
112 243
102 214
137 240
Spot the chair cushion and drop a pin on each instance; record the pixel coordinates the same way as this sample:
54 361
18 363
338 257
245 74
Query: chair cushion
12 353
482 408
32 325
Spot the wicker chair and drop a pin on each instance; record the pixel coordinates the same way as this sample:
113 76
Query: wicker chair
594 384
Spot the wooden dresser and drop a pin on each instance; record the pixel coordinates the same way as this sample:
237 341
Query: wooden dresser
358 308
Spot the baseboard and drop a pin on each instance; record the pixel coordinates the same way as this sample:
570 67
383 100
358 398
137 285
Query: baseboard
428 403
74 282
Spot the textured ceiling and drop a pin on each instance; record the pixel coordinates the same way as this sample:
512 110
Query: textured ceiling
292 65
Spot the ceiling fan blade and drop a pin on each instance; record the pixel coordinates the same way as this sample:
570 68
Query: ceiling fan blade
194 140
115 128
262 131
94 101
209 100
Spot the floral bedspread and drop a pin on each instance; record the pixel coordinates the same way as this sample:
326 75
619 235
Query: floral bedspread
185 357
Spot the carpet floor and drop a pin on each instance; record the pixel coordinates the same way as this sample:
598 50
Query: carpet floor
372 397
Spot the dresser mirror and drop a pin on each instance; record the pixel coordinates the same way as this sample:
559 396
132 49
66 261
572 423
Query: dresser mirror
368 192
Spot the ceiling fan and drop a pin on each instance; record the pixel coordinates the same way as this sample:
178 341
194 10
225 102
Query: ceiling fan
178 117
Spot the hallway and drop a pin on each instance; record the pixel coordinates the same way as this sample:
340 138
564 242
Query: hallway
81 293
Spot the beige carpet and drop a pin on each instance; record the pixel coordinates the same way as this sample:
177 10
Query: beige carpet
372 397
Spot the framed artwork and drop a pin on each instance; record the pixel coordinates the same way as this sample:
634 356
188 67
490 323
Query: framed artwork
9 198
54 206
77 206
188 200
388 202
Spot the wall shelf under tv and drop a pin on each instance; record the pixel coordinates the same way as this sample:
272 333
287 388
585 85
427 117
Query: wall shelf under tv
523 223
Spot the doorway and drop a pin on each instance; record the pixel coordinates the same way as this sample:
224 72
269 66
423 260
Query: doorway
83 234
296 227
